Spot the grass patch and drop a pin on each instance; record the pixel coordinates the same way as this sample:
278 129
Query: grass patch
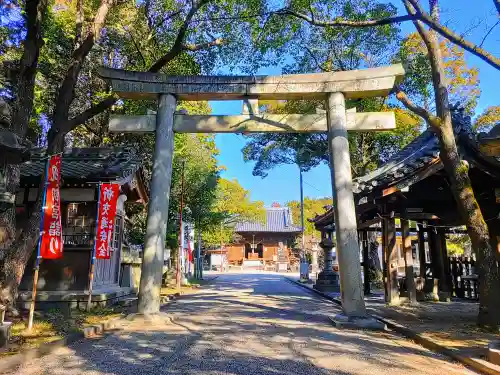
54 325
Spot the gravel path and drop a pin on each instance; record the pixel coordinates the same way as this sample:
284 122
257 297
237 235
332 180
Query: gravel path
244 324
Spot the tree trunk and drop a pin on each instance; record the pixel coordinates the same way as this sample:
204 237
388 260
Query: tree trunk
489 276
457 171
8 217
16 255
13 264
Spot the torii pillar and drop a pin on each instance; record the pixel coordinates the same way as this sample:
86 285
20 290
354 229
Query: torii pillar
334 87
343 204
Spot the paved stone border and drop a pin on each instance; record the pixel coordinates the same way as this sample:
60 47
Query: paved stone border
12 362
477 364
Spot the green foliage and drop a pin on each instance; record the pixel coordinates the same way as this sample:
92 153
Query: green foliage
232 205
312 207
488 119
457 243
317 49
463 81
368 150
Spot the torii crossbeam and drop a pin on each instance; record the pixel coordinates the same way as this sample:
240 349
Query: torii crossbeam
334 88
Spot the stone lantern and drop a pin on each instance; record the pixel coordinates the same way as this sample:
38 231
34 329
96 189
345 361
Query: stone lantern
13 150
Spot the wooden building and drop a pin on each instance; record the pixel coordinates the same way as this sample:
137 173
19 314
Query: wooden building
268 242
413 185
81 171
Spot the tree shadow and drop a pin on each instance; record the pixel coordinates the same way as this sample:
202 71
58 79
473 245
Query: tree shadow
242 327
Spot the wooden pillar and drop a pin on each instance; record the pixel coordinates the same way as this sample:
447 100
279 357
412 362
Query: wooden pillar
445 276
421 251
440 291
366 263
422 263
390 261
408 256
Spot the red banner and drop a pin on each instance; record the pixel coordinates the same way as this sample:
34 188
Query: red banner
51 246
108 196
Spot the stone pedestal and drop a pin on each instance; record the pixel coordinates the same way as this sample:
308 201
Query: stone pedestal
5 329
344 321
328 280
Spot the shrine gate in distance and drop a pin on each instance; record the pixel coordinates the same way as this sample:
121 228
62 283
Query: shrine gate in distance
334 88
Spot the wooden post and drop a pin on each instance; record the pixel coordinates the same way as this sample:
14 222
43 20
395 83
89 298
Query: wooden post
408 256
436 261
366 263
422 280
92 255
38 256
33 294
180 249
390 261
421 251
445 276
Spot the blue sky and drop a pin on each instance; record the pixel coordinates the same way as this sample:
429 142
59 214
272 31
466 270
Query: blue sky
282 183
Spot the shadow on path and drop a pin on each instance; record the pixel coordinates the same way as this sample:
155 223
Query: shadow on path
245 325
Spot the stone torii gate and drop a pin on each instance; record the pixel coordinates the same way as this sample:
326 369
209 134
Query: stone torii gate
332 87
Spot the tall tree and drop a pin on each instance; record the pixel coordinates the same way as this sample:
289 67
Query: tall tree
440 120
82 35
13 262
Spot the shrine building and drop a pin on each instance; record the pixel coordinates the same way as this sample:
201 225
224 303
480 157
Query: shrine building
265 244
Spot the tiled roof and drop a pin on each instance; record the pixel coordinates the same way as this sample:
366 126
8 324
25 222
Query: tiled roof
89 164
278 220
417 157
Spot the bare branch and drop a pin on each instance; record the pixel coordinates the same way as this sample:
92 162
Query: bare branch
488 33
497 5
343 22
432 120
318 65
454 37
230 18
137 48
179 40
197 47
91 112
420 14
